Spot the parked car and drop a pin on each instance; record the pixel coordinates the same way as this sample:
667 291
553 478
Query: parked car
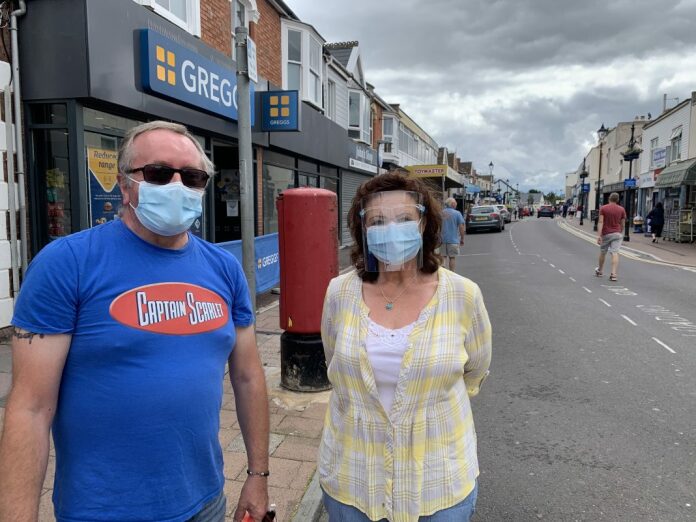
545 210
485 217
507 215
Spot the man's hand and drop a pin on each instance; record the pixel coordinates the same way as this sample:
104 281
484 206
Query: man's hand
599 240
253 499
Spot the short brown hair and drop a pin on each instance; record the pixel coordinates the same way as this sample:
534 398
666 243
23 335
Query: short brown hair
397 180
614 197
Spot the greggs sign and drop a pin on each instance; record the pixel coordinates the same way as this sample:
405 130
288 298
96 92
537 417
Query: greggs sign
172 70
170 308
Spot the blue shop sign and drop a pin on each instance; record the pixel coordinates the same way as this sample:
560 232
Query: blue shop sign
585 187
280 111
630 183
174 71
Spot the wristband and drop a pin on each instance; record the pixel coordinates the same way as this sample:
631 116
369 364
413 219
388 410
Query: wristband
258 473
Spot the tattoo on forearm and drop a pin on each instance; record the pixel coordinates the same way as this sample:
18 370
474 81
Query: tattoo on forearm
18 333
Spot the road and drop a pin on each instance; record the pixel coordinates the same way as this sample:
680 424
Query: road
590 410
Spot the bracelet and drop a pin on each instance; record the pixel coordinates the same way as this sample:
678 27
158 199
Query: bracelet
258 473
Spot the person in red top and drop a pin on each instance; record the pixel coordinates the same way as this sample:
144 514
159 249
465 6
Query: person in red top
612 218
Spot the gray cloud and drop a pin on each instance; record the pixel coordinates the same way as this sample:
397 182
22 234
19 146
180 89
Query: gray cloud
522 83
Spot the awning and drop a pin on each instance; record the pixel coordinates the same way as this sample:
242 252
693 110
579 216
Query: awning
681 173
473 189
437 174
676 133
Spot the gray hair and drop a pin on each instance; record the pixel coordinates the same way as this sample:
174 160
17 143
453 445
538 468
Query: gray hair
125 152
451 202
614 197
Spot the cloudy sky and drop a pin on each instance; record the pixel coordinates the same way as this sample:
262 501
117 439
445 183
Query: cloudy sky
522 83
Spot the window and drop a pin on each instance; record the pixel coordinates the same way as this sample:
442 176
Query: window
184 13
315 71
303 62
675 143
653 145
387 128
294 74
331 100
372 121
354 99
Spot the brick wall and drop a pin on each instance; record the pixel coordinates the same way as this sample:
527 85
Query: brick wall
216 24
376 125
266 35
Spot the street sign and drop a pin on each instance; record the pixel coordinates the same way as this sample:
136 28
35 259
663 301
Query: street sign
585 187
251 60
630 183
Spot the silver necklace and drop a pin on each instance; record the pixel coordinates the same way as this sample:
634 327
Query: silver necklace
390 301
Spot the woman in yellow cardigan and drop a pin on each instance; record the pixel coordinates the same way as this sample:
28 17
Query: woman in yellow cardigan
407 343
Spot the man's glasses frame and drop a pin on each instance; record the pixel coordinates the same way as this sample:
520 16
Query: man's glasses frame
163 174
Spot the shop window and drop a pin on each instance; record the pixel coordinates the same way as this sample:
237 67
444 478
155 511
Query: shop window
107 123
102 172
329 184
183 13
275 181
48 114
50 158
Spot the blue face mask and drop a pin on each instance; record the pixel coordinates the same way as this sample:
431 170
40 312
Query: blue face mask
167 210
395 243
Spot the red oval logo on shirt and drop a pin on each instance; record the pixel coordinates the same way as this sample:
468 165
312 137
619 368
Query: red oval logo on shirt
170 308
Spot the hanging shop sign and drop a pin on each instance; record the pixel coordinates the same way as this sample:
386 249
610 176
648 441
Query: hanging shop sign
659 157
171 70
280 111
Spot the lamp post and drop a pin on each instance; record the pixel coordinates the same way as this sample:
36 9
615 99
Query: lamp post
631 153
582 175
601 134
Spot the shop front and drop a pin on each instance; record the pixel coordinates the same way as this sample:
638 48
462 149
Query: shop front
677 191
121 65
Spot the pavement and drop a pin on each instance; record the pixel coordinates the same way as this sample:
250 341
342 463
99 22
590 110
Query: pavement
296 423
640 244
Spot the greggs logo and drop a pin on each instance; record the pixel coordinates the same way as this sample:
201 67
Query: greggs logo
170 308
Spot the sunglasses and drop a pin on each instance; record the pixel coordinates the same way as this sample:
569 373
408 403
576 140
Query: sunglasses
162 174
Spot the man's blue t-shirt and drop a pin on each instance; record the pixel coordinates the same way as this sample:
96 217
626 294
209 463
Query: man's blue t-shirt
451 219
136 428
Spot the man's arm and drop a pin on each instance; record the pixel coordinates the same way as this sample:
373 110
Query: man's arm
462 232
600 225
37 368
249 385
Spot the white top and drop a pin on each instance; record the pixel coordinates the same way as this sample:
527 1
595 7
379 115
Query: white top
385 350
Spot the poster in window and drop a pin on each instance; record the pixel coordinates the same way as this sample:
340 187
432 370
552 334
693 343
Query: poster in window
104 193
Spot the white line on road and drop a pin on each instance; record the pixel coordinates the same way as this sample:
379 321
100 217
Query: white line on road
544 260
561 271
603 301
629 320
663 344
573 280
587 290
552 265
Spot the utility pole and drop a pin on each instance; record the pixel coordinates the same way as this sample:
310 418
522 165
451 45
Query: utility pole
246 161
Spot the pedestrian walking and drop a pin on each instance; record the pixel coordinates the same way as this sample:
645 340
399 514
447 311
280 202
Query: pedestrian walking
453 230
565 210
515 213
657 221
612 219
407 344
133 322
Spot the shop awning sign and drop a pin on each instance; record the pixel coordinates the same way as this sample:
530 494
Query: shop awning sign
171 70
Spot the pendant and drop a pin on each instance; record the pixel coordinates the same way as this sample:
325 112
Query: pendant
389 306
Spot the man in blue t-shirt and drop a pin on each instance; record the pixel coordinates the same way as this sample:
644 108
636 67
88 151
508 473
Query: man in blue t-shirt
121 337
453 230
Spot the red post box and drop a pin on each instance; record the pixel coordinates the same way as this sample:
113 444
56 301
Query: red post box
308 246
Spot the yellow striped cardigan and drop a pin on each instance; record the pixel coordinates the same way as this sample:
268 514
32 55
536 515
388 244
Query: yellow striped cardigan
420 457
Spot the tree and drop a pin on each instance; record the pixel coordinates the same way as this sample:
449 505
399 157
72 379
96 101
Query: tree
534 191
551 197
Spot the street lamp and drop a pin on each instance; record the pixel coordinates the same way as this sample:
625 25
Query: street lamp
583 174
601 134
631 153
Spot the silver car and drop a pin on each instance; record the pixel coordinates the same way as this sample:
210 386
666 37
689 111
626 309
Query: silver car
485 217
507 217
